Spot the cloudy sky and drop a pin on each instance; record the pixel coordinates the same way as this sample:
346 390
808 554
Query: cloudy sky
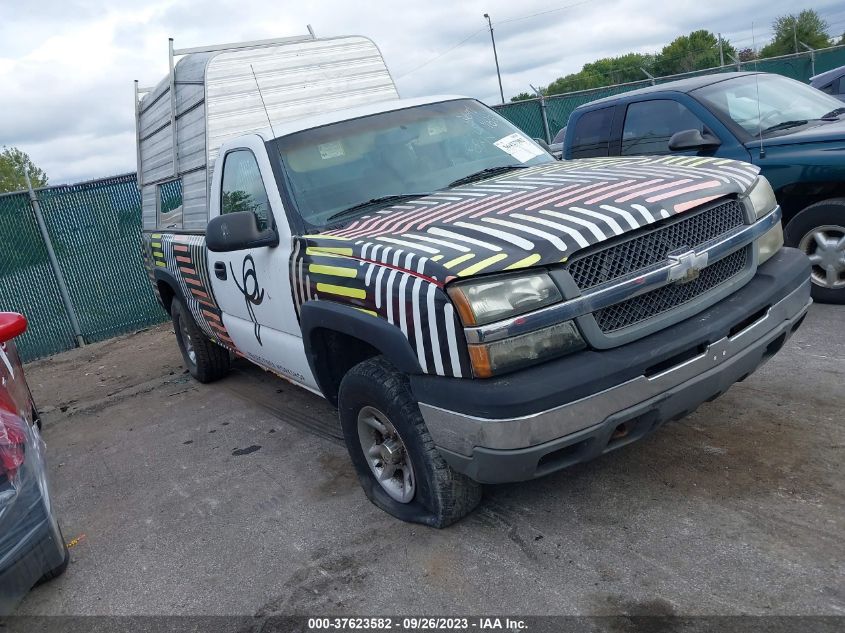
66 66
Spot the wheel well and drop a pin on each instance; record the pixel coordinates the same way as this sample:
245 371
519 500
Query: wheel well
797 196
334 354
166 293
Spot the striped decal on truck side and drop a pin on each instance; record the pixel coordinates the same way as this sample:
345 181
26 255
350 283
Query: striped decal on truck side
389 285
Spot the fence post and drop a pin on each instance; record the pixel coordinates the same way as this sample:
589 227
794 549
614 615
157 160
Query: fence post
812 58
54 262
543 114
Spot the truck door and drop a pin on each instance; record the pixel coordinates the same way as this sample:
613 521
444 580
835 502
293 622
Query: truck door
651 123
252 286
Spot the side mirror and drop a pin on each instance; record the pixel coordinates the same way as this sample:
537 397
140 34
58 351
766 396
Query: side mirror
543 144
12 324
692 139
236 232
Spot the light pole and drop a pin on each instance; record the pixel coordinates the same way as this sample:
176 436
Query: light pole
495 56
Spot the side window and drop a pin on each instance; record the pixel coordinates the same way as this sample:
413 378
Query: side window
592 132
829 88
243 189
169 204
650 124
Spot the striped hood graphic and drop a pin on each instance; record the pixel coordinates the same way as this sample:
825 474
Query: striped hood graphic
536 216
393 264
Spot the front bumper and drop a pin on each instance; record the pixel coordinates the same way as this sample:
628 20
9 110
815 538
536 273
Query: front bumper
528 424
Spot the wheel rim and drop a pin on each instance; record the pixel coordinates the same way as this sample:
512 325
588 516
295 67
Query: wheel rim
825 246
386 454
187 342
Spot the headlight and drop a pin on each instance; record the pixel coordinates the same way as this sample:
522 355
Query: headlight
769 243
525 349
762 197
495 298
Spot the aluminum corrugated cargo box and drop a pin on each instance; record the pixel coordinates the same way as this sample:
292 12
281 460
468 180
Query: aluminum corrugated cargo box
211 95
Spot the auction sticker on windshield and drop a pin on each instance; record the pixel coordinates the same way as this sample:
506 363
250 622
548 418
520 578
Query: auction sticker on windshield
519 147
333 149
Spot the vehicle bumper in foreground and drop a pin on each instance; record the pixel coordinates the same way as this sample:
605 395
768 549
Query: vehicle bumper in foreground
31 543
539 420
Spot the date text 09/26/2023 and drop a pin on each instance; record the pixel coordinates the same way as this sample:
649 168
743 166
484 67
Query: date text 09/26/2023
408 624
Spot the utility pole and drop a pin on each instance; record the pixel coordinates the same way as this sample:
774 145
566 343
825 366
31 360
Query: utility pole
795 34
496 57
721 51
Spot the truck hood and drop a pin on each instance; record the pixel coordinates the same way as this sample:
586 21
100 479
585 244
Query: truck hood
532 217
824 132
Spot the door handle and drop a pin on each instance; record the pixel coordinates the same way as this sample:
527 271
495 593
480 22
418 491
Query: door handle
220 270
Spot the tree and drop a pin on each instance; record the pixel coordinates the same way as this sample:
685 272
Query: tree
696 51
522 96
13 163
747 55
604 72
790 30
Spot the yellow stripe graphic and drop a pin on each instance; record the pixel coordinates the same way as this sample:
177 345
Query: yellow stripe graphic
523 263
458 260
156 236
484 263
370 312
437 258
327 237
155 244
343 291
337 271
162 264
327 250
158 253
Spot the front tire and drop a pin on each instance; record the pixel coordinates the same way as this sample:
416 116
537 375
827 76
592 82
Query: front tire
819 231
398 466
206 360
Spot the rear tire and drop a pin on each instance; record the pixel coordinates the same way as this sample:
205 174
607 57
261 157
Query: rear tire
819 231
206 360
440 496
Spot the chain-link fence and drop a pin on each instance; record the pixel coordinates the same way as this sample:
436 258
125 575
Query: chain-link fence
528 115
95 232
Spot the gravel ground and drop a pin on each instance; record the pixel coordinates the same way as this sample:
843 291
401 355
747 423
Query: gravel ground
237 498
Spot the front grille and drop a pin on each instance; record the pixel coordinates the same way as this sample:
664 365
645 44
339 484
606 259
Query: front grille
653 246
656 302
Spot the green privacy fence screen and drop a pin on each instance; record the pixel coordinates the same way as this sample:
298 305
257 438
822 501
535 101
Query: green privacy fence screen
527 115
95 230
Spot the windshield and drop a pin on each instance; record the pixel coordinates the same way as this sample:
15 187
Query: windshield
785 104
417 150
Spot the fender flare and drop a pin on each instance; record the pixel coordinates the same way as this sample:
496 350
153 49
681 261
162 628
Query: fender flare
344 319
162 274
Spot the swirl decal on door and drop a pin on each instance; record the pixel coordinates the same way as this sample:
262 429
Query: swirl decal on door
252 292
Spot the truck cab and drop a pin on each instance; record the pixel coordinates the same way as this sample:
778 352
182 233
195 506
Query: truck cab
794 133
477 311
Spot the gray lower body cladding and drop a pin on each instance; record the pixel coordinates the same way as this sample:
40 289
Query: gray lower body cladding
542 422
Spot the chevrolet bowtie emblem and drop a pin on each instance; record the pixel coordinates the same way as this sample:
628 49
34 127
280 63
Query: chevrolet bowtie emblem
685 266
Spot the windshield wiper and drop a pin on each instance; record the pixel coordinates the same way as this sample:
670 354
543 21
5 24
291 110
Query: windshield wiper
785 125
355 208
833 114
485 173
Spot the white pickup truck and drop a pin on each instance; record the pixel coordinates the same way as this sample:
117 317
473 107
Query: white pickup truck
478 311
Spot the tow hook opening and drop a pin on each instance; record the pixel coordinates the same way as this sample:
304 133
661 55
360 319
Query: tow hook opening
619 432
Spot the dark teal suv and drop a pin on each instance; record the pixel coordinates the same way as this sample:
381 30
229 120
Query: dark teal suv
795 133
